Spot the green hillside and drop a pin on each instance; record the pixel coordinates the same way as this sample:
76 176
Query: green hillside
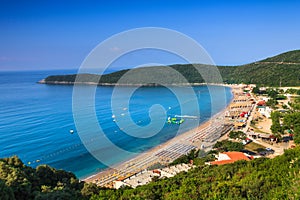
261 178
288 57
267 74
283 69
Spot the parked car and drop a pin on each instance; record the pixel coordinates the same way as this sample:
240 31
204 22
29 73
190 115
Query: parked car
270 151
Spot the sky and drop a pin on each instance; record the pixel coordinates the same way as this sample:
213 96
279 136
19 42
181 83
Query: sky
45 35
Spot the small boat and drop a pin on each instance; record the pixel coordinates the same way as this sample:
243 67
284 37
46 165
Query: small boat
71 131
186 116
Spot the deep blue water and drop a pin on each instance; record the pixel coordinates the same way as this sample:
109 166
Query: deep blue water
36 119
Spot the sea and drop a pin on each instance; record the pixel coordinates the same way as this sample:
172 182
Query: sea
38 124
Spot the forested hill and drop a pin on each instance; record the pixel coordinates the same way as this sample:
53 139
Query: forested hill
288 57
283 69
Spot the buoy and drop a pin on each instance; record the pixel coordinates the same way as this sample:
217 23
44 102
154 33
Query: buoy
169 108
29 163
169 120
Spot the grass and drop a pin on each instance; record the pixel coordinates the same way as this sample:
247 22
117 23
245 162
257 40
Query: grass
254 147
254 126
255 129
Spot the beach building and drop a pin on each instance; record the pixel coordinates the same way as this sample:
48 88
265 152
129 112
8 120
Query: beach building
265 111
261 103
265 99
262 89
144 177
119 183
141 178
229 157
173 170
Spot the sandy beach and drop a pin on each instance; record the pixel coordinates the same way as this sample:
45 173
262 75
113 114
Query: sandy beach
196 138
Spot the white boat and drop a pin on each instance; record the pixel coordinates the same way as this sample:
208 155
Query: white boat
187 116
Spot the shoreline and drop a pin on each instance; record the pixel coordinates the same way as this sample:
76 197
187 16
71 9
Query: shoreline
43 81
146 159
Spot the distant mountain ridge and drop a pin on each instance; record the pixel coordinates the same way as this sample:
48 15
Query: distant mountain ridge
287 57
280 70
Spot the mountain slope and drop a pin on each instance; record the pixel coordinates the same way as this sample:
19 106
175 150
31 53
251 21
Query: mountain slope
280 70
287 57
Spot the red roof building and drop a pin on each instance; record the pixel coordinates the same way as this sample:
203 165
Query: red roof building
229 157
261 103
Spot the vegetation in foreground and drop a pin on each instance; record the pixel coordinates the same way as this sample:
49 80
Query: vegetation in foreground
262 178
18 181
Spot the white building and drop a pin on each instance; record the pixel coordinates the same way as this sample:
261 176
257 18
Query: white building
144 177
119 184
265 111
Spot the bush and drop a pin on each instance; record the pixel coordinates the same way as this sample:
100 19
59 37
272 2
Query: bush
226 145
237 134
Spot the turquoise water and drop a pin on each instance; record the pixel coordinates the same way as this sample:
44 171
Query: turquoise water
35 120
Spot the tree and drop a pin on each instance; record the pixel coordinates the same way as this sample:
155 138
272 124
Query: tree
272 93
6 192
276 127
272 103
237 134
296 105
44 182
291 91
256 90
292 121
89 189
12 171
186 158
297 135
226 145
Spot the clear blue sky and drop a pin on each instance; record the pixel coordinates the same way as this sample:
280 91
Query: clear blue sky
59 34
